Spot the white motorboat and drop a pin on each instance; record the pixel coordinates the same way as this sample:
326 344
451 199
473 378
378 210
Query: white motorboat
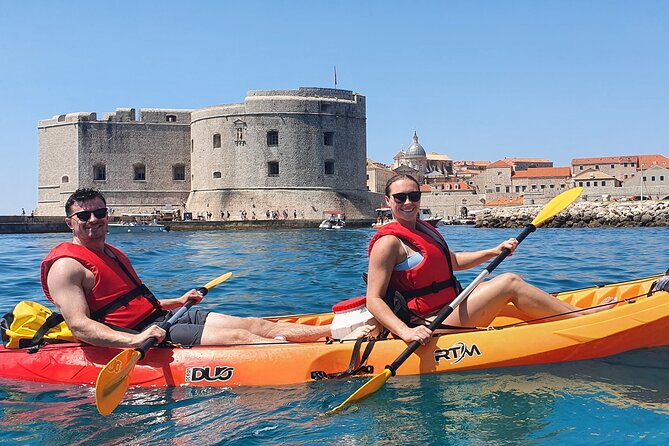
333 220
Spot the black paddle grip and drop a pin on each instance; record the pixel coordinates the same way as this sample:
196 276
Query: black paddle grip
168 323
505 253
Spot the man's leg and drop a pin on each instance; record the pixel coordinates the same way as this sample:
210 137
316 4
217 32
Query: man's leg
224 329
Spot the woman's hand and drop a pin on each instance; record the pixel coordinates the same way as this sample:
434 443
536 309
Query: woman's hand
510 244
421 334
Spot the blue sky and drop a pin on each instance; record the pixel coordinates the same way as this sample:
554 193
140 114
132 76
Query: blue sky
476 79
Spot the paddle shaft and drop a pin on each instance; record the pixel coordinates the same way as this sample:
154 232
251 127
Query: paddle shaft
447 310
168 323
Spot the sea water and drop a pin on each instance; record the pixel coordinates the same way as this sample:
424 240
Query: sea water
616 400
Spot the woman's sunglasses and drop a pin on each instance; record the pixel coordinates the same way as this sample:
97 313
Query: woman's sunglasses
86 215
402 197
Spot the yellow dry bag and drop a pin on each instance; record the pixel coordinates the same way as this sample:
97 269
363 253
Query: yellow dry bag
30 324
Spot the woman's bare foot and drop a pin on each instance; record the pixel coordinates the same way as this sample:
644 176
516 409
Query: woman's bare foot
605 304
361 332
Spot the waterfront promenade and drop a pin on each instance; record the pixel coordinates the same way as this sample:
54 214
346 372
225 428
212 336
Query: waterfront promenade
27 225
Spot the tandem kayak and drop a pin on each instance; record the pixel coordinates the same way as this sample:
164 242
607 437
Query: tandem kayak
638 320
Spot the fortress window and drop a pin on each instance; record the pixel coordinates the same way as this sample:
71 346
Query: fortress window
328 138
65 179
273 169
171 118
325 107
217 140
99 172
603 183
329 167
217 174
273 138
179 172
139 172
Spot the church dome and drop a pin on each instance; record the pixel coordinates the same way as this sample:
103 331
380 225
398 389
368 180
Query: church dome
415 149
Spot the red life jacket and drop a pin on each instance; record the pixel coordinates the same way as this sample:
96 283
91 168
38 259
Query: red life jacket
117 297
430 285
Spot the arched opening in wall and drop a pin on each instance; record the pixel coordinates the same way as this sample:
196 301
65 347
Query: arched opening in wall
464 212
139 172
171 118
179 172
64 179
217 174
99 172
217 141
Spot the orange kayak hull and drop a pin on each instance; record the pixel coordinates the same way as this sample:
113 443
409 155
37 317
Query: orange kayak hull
635 322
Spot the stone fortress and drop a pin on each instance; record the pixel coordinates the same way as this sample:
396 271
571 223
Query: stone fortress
298 152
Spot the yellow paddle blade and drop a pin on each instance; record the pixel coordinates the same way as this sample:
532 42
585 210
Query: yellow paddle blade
557 205
217 281
367 389
113 381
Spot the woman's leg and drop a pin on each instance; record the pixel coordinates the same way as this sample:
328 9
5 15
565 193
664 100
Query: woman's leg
488 299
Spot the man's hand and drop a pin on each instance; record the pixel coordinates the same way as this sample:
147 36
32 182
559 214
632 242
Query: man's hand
194 295
153 331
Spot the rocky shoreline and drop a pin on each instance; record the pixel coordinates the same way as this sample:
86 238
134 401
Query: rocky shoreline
582 215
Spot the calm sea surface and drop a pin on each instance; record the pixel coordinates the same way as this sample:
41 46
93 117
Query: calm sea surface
617 400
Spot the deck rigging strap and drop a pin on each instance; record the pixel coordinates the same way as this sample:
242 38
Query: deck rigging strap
356 366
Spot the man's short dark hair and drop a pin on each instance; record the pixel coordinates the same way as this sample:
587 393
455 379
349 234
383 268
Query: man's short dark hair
82 195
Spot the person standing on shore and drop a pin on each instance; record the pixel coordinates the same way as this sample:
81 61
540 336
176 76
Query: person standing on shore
411 257
104 302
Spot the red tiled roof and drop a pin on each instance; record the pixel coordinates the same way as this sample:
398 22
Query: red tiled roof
500 163
605 160
646 161
527 160
543 172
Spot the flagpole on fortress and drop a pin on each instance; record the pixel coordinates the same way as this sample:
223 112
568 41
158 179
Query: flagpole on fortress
335 77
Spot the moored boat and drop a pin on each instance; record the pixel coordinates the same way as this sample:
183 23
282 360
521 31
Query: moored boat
333 220
638 320
135 223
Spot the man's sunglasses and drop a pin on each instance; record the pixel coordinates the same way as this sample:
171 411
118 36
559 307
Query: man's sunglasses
86 215
402 197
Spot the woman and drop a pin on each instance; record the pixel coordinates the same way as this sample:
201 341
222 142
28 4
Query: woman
411 257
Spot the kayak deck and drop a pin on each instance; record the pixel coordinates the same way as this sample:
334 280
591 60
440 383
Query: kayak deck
635 321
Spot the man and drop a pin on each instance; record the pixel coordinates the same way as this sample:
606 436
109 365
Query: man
104 303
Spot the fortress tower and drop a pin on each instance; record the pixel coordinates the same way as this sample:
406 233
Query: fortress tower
301 150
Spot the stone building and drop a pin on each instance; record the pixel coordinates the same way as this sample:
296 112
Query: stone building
299 151
378 175
140 165
431 167
620 167
520 164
